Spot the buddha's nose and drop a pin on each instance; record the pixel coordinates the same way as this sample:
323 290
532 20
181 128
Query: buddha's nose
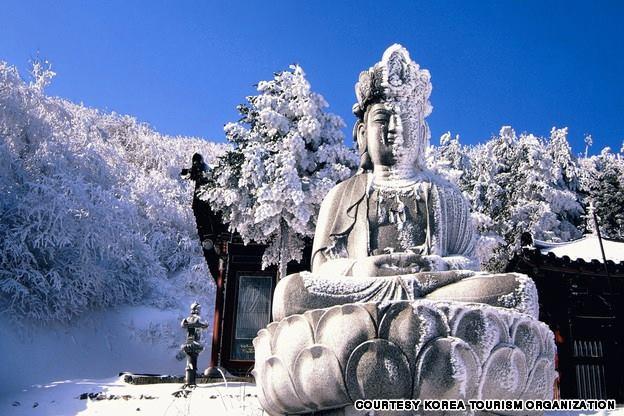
394 124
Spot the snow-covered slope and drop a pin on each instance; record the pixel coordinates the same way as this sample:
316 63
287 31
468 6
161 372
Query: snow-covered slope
112 396
94 217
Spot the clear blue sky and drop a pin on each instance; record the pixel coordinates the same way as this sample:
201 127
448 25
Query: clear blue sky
183 66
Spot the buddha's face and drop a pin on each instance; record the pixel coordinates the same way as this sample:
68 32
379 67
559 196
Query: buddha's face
387 135
382 128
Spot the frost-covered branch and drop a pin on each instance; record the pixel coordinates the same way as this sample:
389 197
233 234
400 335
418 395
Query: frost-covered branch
93 212
288 152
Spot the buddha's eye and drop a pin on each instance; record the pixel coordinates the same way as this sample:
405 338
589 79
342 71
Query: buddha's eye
381 118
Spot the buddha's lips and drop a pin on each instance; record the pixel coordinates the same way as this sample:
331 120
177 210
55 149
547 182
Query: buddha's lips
390 140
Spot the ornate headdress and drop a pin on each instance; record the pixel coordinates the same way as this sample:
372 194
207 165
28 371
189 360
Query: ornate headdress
399 81
395 78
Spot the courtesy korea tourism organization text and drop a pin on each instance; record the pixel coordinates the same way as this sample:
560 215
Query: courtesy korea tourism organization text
484 405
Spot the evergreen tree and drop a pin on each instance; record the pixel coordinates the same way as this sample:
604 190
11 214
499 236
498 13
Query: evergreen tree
286 154
494 190
544 203
565 167
452 161
460 165
602 181
516 184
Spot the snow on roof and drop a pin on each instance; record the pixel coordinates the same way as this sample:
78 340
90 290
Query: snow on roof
586 248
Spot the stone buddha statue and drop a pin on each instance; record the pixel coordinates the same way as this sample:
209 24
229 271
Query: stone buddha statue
395 230
393 307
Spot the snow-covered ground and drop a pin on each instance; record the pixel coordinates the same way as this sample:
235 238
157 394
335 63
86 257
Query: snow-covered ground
140 339
118 398
112 396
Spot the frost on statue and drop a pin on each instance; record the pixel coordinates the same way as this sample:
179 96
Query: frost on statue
392 308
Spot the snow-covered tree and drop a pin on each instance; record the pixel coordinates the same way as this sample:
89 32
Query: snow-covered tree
602 181
93 211
515 184
565 166
543 202
288 152
452 161
589 141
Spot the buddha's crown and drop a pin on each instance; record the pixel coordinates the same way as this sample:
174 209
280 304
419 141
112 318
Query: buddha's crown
396 78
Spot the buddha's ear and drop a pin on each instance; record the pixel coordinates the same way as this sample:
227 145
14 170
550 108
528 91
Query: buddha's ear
359 136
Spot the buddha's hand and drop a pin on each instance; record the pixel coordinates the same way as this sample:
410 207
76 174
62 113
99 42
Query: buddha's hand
391 265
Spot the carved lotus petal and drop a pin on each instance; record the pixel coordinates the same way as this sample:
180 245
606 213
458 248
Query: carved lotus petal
314 316
450 309
507 317
291 336
279 389
445 309
271 327
528 337
375 309
446 369
318 378
549 347
504 374
481 329
262 348
266 404
342 328
410 326
378 369
541 379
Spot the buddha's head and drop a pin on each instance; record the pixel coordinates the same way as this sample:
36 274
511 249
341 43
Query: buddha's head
392 103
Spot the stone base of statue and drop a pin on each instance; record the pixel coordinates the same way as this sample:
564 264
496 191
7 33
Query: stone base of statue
328 358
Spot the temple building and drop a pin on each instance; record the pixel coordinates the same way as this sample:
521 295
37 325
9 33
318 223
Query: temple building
581 298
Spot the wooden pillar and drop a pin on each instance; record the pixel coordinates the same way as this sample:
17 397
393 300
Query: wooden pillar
215 361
